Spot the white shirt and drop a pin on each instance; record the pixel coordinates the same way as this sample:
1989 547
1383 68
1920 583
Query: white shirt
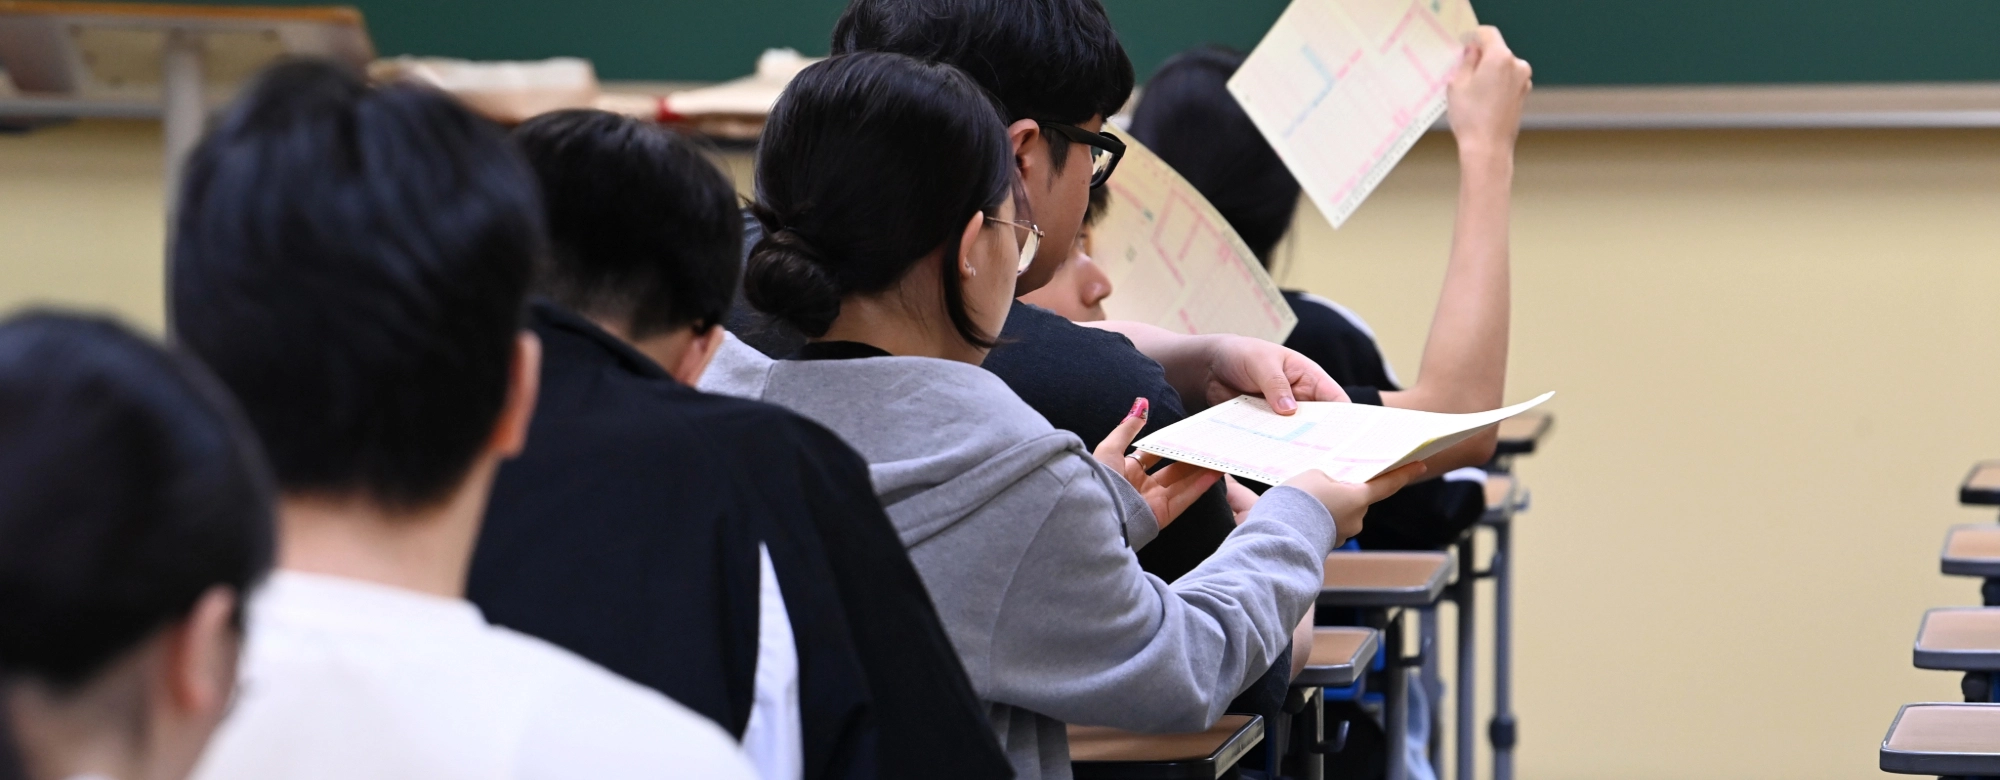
774 739
347 679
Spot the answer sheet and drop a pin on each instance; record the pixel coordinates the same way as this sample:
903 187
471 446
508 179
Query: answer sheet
1343 88
1175 263
1350 442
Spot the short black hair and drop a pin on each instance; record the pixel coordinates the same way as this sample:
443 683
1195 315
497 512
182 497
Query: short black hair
353 262
868 163
644 228
1049 60
129 486
1190 120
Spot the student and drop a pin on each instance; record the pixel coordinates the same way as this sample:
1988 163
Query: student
1079 287
137 514
1189 118
730 554
1058 70
353 263
884 185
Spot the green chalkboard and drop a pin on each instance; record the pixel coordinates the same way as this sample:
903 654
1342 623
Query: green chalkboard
1569 41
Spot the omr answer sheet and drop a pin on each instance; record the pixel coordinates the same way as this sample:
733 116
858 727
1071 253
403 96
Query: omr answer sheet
1350 442
1343 88
1175 263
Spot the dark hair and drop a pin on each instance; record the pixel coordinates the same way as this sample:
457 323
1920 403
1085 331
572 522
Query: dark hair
643 227
1189 119
1051 60
128 487
1100 202
353 262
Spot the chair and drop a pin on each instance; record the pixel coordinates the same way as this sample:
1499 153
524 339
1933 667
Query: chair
1982 485
1101 753
1943 739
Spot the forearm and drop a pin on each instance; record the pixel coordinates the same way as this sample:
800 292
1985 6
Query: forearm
1464 366
1186 359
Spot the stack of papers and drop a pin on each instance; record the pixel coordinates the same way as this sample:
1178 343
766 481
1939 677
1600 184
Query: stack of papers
1350 442
1176 263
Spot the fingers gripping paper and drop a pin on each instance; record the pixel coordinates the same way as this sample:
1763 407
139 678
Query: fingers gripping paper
1343 88
1176 263
1350 442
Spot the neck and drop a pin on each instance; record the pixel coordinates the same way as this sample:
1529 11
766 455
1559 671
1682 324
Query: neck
426 550
907 320
91 731
665 349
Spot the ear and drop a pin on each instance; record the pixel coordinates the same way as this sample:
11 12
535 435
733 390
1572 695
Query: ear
199 662
1031 148
510 432
964 265
699 353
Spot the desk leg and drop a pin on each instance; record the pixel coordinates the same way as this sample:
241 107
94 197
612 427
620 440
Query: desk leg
1433 678
1466 596
1501 730
1395 701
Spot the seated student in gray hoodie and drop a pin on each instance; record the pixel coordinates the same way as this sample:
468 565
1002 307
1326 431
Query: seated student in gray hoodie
891 239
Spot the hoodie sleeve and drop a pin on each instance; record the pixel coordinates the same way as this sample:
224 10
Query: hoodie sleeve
737 370
1084 636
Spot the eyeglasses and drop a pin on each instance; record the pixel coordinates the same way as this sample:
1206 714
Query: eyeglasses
1105 149
1029 245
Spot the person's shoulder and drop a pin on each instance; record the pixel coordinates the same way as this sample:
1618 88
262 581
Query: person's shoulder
585 720
1041 348
1033 329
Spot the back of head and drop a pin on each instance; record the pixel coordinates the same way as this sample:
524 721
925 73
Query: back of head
131 488
869 163
353 263
644 229
1051 60
1189 119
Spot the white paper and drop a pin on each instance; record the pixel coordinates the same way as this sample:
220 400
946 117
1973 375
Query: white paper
1350 442
1176 263
1343 88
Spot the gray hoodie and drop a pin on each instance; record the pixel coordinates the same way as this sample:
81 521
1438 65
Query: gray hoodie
1026 544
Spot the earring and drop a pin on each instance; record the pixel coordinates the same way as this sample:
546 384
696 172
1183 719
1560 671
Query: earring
971 271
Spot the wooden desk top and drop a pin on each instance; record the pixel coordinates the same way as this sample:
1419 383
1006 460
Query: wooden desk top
1520 434
1340 656
1943 739
1982 485
1384 579
1972 550
1963 639
1100 752
1499 491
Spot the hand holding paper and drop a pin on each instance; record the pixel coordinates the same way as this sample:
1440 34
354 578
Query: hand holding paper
1349 442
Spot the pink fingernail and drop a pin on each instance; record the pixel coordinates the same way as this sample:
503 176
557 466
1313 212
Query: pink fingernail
1286 404
1139 409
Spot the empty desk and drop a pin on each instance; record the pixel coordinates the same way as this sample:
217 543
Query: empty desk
1943 739
1982 485
1972 550
1384 579
1099 753
1339 656
1520 434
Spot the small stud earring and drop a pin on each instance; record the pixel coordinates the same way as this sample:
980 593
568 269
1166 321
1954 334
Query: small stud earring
971 271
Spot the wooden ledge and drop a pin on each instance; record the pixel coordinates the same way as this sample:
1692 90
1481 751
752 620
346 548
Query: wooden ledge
1101 753
1982 485
1971 550
1520 434
1384 579
1943 739
1339 656
1960 639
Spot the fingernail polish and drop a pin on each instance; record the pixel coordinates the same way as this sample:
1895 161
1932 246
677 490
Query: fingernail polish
1139 409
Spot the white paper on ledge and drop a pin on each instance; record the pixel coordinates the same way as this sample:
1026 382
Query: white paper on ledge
1350 442
1174 262
1343 89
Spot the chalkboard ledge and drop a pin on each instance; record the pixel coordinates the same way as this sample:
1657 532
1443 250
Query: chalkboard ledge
1777 106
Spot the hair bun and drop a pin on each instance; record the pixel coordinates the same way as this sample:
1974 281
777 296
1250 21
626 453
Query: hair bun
787 278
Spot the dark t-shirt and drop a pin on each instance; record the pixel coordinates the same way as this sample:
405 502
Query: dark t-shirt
1426 515
628 532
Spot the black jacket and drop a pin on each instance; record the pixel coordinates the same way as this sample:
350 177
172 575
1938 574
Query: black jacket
628 533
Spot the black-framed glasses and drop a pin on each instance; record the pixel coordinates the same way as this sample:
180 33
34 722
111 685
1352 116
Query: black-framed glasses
1030 243
1105 149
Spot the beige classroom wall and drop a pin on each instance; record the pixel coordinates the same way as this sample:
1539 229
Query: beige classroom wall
1771 352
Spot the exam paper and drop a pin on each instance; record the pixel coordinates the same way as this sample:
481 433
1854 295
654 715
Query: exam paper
1343 88
1350 442
1175 262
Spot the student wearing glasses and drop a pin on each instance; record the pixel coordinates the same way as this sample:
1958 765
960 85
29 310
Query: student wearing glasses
893 238
1058 71
1079 286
